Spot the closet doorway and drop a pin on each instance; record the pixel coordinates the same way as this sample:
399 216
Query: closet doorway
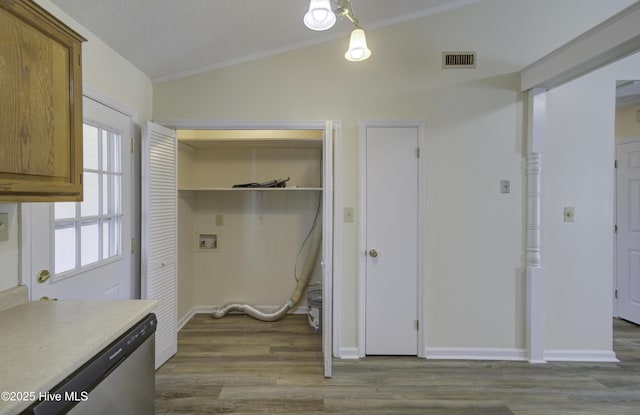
249 245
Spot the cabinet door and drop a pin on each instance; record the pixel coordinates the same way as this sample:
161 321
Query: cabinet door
41 106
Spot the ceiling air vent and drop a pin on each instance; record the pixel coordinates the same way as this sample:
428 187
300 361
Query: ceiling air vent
458 60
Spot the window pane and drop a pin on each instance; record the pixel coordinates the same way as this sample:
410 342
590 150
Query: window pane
64 210
106 239
117 151
90 147
89 207
65 247
105 195
110 238
89 243
111 194
114 152
105 150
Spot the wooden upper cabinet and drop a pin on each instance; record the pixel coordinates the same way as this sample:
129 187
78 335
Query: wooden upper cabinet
40 106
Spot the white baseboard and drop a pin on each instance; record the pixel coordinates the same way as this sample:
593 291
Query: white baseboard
348 353
454 353
189 315
580 356
463 353
469 353
208 309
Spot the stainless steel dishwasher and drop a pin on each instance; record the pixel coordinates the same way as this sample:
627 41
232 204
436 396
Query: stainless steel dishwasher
118 380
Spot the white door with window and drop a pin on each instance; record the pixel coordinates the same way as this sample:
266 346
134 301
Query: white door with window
82 250
390 215
628 236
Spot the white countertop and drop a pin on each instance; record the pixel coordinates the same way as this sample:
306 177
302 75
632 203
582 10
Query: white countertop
41 342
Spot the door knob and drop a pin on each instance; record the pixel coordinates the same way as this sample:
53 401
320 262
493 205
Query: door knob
373 253
43 275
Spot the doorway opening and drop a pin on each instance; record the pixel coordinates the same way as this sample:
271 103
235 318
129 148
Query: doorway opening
626 301
253 225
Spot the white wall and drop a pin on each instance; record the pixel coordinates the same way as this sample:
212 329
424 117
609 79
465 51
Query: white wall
578 171
109 74
258 246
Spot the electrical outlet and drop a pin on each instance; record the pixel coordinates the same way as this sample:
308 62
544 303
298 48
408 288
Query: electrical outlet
4 226
569 215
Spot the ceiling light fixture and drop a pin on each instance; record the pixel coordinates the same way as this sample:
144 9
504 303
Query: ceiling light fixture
321 17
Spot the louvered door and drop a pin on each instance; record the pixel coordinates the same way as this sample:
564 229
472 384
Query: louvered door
159 233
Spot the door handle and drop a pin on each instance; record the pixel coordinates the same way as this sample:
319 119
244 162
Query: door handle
43 275
373 253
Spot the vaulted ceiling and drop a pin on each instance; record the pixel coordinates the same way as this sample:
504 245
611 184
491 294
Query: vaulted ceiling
173 38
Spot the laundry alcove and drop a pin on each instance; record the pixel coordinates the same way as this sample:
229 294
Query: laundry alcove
236 245
259 232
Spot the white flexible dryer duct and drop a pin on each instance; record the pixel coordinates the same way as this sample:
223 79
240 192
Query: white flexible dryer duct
303 280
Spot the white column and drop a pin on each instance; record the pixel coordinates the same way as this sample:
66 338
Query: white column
535 294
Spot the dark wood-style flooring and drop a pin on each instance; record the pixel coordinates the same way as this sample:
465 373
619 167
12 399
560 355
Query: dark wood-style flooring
238 365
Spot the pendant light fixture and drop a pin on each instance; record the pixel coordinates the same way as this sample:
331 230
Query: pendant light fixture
321 17
358 50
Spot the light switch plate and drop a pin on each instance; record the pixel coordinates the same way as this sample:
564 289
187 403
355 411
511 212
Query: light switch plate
4 226
348 214
569 215
219 220
505 186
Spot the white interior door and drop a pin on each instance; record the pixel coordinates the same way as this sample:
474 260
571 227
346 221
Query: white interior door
628 236
82 250
160 233
391 240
